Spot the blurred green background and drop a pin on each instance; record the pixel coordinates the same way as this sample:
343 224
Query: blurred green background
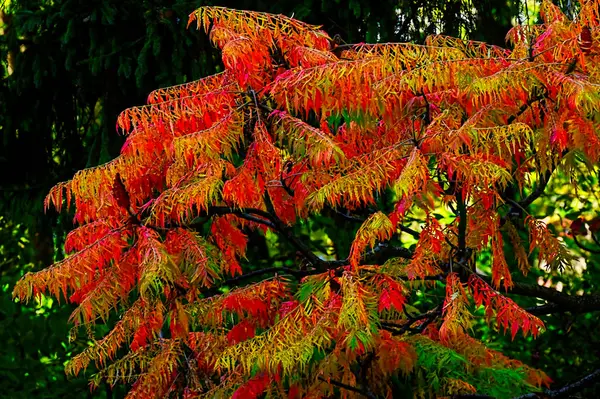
69 67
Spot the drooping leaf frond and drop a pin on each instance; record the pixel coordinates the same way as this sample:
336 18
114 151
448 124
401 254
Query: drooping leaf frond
413 177
456 316
295 335
377 227
429 247
357 184
100 296
500 271
507 313
220 139
344 85
197 87
253 24
230 239
105 349
76 270
518 248
308 57
255 302
190 111
448 370
550 250
185 202
87 234
200 261
307 141
469 48
157 268
357 315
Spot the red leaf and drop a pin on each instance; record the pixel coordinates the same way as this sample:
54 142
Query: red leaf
140 338
179 321
559 138
253 387
120 194
595 224
384 301
240 332
578 227
294 392
585 40
514 329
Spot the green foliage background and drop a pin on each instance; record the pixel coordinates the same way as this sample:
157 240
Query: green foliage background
68 67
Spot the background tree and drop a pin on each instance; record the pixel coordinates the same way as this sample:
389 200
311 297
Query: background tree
68 69
435 151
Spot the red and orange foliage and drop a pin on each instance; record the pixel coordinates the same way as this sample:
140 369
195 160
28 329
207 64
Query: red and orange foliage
297 125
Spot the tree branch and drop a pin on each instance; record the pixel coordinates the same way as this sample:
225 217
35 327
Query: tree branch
534 98
461 207
574 303
429 317
583 247
349 388
382 252
538 191
518 207
379 254
357 219
410 231
549 308
584 382
256 220
273 222
560 300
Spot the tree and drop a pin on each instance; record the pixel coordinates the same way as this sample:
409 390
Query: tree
436 151
68 68
82 63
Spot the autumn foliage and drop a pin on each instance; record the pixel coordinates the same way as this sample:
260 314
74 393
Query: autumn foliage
299 125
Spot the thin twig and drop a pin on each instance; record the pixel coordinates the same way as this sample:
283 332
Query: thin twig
581 246
349 388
